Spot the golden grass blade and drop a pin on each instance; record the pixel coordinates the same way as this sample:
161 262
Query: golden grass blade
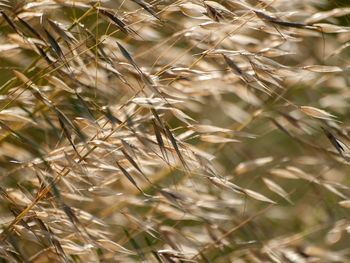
276 189
59 83
336 12
209 129
317 113
322 68
257 196
113 246
216 139
193 10
250 165
329 28
345 203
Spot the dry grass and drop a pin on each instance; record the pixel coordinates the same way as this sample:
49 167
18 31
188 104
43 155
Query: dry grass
174 131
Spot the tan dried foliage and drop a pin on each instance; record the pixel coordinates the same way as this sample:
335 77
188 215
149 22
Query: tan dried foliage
174 131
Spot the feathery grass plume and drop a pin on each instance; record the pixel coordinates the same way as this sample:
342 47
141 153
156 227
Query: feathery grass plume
174 131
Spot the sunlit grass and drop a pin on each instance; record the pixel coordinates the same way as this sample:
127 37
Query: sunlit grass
174 131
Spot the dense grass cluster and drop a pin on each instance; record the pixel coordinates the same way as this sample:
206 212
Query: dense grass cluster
174 131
